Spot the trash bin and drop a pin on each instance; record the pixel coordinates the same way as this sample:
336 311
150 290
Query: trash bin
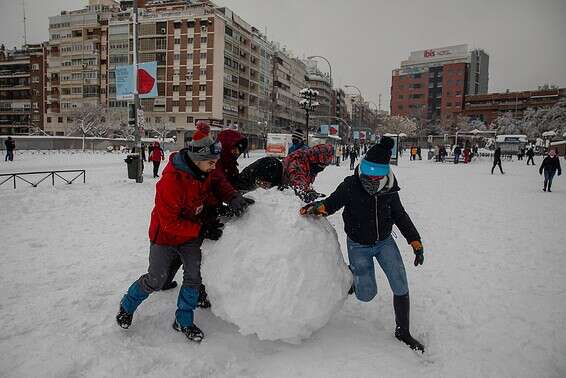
132 161
430 154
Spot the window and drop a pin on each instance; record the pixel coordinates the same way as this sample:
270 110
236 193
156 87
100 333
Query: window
228 31
172 119
203 56
202 103
202 87
177 56
49 119
177 25
458 93
190 40
203 71
190 119
175 88
190 56
59 119
177 41
203 39
190 24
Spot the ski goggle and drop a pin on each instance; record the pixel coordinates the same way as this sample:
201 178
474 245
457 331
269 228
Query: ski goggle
368 168
213 149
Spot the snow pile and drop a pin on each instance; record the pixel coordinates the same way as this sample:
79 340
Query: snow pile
275 273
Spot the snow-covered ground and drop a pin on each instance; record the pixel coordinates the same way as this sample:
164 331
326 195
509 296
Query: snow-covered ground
490 299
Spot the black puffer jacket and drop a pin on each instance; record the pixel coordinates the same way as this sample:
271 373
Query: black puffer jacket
551 165
370 218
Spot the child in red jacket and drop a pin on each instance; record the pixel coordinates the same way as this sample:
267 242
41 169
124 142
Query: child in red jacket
177 231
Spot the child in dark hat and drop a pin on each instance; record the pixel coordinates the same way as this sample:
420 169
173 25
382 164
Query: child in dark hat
372 206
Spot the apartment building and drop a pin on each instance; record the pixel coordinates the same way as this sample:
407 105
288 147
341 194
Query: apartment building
76 63
212 66
22 89
289 77
488 107
433 83
340 110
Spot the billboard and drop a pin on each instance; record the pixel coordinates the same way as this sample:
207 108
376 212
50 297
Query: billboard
147 81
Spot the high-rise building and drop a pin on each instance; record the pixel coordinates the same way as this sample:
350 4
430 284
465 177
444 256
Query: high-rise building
432 83
76 62
320 82
340 111
211 65
288 79
22 89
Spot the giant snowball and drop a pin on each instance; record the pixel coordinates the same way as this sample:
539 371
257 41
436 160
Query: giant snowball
275 273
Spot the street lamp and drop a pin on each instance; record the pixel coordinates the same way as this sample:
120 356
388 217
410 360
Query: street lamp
359 98
308 103
331 90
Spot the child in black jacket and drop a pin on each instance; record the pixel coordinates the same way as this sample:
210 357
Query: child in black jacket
371 207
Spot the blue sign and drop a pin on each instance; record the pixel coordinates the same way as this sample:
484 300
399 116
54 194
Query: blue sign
324 129
356 135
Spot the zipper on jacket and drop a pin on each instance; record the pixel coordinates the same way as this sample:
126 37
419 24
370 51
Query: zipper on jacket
376 220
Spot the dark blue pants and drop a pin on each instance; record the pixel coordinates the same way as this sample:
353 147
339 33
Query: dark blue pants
9 155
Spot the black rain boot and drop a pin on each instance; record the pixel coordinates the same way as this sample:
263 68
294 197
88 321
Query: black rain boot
203 301
123 318
401 304
549 185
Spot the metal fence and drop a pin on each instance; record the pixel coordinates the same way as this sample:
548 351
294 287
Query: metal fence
6 177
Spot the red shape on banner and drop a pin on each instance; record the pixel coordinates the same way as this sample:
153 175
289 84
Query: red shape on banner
146 82
333 131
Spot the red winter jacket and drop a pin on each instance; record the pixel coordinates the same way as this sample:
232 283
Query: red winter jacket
156 153
180 197
226 173
297 166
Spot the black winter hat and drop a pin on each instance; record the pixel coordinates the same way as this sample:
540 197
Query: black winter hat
269 169
381 152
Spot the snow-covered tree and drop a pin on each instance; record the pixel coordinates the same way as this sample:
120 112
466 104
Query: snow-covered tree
399 124
89 120
508 125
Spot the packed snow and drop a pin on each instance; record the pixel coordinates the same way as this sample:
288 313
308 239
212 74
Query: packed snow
489 301
274 273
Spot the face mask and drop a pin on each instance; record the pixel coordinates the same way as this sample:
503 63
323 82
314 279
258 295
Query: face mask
371 184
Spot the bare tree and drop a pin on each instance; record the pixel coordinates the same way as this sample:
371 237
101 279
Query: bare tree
89 120
399 124
162 130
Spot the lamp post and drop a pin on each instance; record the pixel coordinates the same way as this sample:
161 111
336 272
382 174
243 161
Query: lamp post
331 90
359 100
308 103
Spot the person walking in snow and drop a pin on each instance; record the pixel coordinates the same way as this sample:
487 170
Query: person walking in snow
10 147
353 158
156 156
530 155
370 198
497 160
457 153
550 165
338 152
419 153
177 230
413 153
298 141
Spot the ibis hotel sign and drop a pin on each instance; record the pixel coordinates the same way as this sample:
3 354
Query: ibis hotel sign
438 54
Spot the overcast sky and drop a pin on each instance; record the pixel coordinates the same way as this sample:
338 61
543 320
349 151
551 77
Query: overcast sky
365 39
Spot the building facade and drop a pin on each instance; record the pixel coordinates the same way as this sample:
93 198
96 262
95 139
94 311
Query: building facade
488 107
22 89
289 77
433 83
76 63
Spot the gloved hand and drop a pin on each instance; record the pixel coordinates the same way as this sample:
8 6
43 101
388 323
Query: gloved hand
419 252
211 231
315 208
311 196
225 211
540 171
239 204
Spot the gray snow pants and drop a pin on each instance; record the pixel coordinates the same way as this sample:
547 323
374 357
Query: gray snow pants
165 259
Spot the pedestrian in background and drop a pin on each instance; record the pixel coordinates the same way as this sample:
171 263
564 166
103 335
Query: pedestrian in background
530 155
457 153
353 157
550 165
497 160
10 147
156 157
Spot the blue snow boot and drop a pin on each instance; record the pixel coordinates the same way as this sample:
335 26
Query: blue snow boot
130 302
186 304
